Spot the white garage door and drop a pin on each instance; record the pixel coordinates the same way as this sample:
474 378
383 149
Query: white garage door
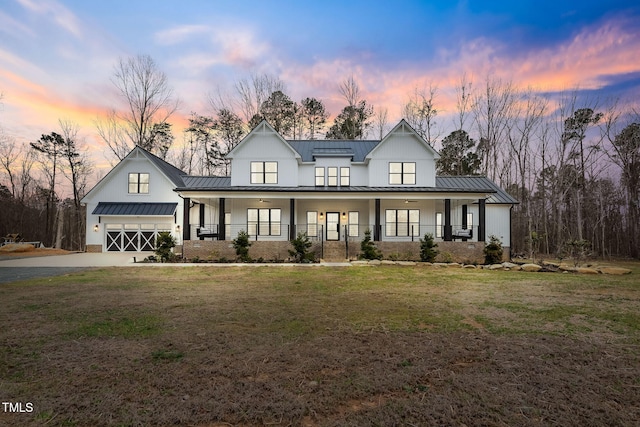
133 237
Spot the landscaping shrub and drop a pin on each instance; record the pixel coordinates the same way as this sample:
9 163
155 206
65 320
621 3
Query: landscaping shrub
301 245
164 243
241 244
368 249
493 251
428 251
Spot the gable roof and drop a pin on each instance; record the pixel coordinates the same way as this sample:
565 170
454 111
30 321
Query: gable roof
262 127
172 173
404 128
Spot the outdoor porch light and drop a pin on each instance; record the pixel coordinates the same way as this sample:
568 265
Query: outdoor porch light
178 228
96 228
344 215
321 215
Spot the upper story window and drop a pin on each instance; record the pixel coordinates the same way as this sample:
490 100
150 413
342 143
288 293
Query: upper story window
320 177
138 183
345 174
332 177
264 172
402 173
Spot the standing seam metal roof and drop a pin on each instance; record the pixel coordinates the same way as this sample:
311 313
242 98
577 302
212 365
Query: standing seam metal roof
135 209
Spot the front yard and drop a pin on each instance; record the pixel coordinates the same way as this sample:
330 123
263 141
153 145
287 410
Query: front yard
321 346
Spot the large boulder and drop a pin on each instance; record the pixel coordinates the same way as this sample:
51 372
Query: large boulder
614 270
587 270
531 267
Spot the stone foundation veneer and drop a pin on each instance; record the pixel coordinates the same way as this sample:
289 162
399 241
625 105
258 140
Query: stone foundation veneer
213 250
94 248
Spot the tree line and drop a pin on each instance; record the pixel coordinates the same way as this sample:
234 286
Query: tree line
572 162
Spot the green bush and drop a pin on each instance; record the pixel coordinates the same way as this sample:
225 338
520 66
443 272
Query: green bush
301 245
368 249
241 245
164 243
493 251
428 251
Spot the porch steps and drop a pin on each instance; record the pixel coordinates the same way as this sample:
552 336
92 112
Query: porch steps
334 252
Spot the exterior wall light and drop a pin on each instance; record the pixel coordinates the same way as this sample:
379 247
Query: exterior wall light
344 215
96 228
321 215
178 228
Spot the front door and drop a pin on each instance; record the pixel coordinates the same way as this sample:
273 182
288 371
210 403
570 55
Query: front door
333 225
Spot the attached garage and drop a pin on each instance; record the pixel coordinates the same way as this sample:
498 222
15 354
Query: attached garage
133 227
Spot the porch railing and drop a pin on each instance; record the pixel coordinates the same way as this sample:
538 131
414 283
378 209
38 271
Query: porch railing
318 232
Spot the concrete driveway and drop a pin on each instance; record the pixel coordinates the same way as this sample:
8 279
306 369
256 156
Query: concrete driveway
13 269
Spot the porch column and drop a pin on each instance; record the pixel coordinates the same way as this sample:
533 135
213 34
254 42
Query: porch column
481 220
292 219
186 227
201 217
376 231
447 220
221 224
464 220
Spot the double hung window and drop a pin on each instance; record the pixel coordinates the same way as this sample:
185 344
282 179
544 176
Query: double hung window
264 172
138 183
402 173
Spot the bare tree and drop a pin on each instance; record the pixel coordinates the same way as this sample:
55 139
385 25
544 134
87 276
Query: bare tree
463 101
493 113
381 121
253 92
622 131
350 91
113 134
76 167
149 99
420 112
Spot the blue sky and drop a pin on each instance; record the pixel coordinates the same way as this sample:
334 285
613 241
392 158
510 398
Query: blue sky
57 56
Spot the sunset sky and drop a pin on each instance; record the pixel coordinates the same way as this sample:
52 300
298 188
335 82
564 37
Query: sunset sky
57 57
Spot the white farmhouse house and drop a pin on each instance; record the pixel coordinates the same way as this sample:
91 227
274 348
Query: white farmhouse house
333 190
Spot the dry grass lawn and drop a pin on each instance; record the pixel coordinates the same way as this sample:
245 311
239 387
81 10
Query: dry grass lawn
319 346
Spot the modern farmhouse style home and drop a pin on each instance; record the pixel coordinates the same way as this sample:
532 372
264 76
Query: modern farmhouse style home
333 190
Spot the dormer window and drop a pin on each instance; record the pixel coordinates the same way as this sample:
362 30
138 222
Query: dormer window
319 177
402 173
332 177
264 172
138 183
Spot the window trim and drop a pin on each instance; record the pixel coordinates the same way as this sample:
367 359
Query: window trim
312 215
332 176
351 224
345 179
270 223
262 174
138 183
408 223
439 224
319 176
403 175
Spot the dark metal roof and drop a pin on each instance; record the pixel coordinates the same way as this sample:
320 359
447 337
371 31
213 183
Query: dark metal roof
309 149
444 184
173 173
477 183
210 182
135 209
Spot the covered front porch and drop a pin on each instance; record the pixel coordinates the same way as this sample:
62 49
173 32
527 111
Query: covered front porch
394 217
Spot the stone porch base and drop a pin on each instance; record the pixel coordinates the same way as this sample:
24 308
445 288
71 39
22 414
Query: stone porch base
215 250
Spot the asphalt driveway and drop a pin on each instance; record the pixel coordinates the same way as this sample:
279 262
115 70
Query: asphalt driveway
14 269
